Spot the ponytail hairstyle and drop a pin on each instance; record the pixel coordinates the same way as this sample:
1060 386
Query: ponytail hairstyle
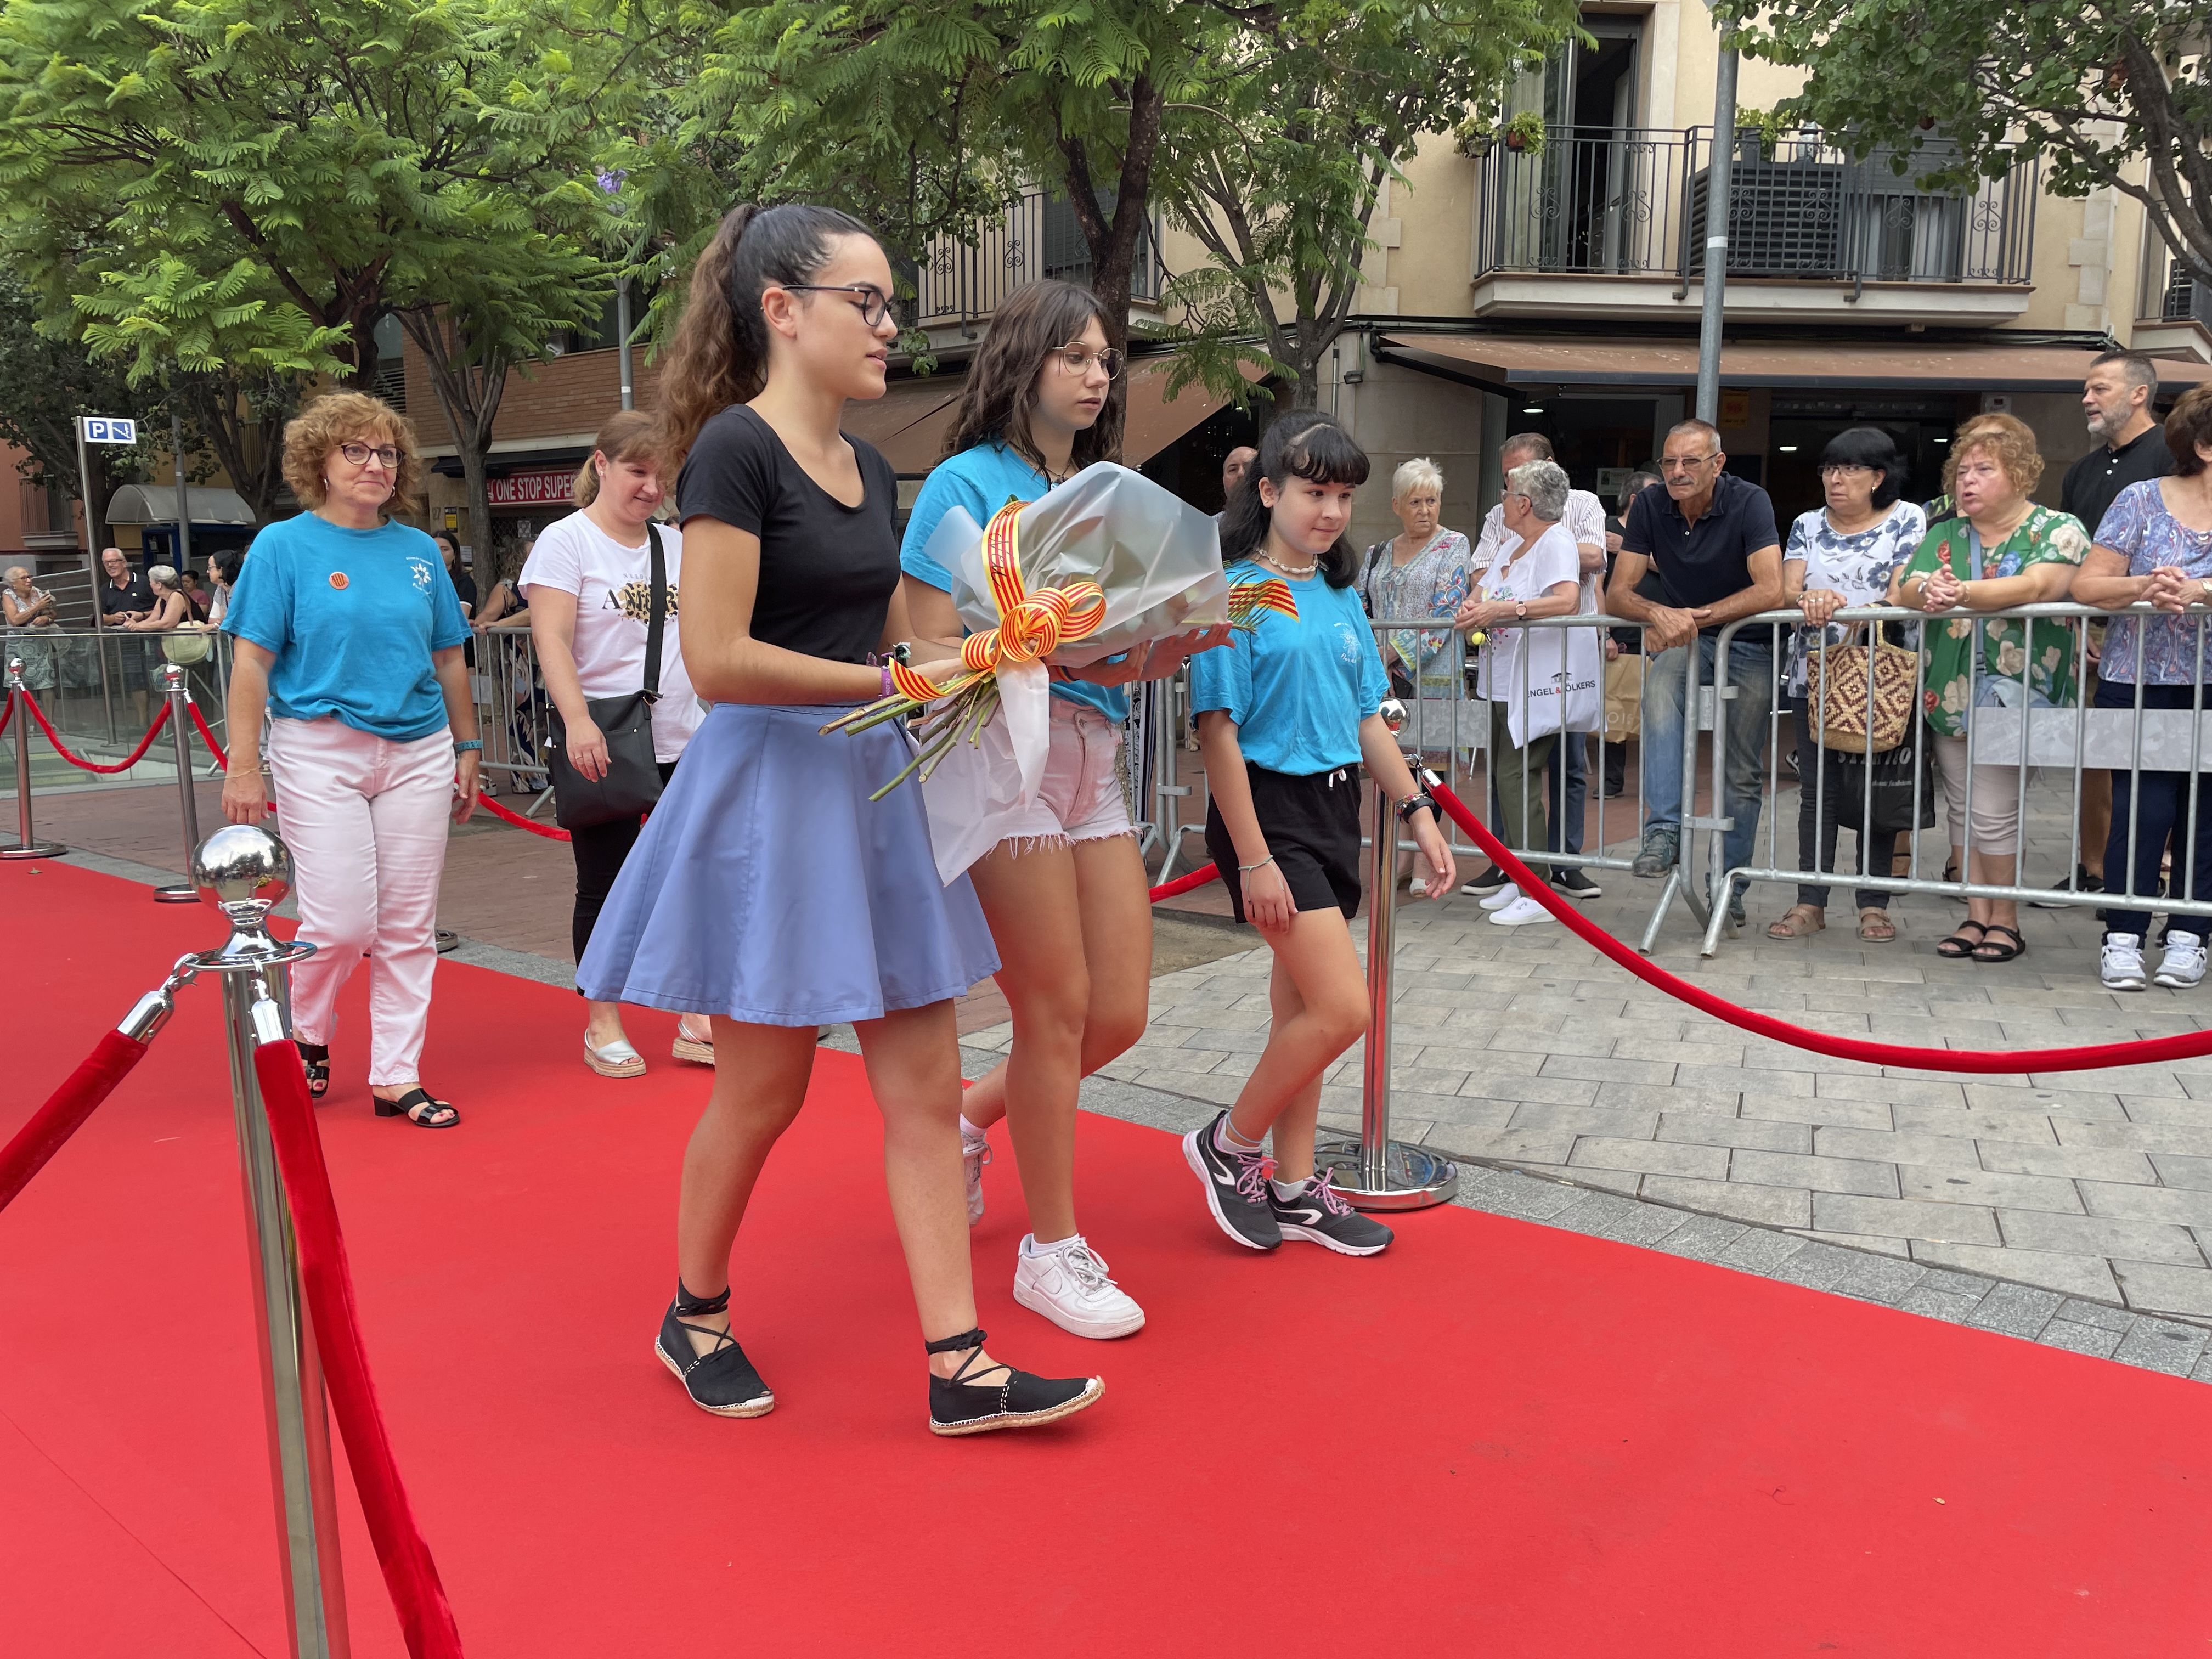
1001 388
719 356
631 435
1306 445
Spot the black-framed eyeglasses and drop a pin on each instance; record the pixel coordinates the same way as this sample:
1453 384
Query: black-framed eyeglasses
359 454
1845 469
1078 359
875 304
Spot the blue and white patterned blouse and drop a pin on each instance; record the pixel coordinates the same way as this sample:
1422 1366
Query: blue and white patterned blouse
1856 565
2139 525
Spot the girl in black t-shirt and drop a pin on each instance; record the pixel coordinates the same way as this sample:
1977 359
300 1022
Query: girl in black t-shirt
790 590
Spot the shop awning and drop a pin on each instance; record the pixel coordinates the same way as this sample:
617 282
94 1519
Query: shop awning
157 504
1505 362
913 428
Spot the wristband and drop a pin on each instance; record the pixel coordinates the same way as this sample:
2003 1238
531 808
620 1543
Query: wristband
466 745
887 681
1413 804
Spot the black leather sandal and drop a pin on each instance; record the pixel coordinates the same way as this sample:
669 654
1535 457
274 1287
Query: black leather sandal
315 1060
958 1406
1965 947
1994 949
420 1108
721 1380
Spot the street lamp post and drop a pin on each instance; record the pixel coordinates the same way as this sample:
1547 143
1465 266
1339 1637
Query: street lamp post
1718 178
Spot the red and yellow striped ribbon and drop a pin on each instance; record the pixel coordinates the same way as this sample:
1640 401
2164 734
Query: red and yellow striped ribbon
1031 626
1248 600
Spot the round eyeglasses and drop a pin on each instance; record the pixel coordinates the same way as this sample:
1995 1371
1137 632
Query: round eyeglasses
359 454
1077 359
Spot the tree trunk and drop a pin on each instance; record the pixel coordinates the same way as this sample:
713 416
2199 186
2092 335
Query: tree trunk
479 503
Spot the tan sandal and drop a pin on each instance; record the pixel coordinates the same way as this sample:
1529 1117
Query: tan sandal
1797 922
1875 927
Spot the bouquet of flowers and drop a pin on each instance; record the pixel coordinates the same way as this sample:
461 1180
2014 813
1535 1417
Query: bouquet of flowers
1107 562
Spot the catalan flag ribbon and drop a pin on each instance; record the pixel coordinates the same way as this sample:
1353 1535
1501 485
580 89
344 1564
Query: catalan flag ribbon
1250 601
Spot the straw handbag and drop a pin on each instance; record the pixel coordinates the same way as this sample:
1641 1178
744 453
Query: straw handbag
1836 695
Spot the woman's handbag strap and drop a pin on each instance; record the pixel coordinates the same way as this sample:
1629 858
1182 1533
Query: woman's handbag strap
657 615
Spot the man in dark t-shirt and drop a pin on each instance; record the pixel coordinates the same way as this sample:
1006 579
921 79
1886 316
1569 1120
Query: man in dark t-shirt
124 597
1698 549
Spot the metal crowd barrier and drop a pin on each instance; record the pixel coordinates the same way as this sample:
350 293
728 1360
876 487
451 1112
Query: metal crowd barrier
86 678
2041 742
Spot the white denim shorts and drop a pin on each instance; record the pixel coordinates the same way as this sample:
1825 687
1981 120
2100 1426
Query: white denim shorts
1081 797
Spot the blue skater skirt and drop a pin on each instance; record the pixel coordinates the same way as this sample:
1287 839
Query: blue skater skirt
767 887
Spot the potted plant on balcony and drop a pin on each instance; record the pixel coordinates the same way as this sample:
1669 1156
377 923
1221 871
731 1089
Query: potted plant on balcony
1474 134
1525 133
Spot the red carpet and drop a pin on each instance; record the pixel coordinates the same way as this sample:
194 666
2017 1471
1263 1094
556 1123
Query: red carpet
1498 1439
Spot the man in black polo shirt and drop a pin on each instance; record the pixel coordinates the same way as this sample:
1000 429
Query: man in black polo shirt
2116 400
1698 549
124 597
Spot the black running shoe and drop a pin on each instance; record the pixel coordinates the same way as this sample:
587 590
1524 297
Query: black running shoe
2082 882
722 1380
1236 1187
1316 1214
1490 881
1575 885
1006 1398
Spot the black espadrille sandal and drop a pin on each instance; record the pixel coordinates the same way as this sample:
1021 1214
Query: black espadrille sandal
1018 1401
721 1380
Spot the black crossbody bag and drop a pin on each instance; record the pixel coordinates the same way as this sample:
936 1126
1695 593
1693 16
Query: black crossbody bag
632 783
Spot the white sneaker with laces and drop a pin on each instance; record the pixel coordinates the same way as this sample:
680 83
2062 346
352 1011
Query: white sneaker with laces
2120 964
1069 1285
974 1154
1520 914
1504 897
2183 964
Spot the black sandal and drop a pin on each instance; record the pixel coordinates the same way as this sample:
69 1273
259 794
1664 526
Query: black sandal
315 1060
1997 952
1022 1401
1966 946
721 1380
420 1108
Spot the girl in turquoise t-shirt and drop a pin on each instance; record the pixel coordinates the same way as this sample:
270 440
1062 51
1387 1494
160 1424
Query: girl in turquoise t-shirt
1066 894
1286 713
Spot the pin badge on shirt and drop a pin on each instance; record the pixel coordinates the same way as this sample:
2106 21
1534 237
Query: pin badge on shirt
339 579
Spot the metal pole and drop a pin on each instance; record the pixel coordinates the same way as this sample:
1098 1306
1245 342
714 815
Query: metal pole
1717 178
184 498
246 871
622 327
84 486
1375 1172
172 679
27 844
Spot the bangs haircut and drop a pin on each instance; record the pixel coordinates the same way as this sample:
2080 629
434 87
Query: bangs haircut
1308 445
1869 447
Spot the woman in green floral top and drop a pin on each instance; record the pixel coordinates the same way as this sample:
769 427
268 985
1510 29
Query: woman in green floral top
2004 551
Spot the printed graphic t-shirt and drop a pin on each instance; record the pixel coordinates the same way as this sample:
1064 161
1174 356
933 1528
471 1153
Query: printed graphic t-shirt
613 586
1297 687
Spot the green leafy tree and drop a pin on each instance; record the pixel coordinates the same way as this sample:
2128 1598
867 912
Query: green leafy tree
2106 91
1296 119
46 381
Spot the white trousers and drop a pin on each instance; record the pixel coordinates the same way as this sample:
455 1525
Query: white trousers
366 821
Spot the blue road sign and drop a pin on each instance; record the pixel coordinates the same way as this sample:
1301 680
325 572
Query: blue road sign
108 430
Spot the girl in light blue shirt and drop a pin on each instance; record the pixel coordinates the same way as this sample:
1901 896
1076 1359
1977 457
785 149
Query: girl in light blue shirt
1286 713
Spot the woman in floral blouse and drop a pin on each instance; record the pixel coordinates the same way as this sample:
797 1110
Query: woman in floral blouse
1423 572
1840 555
2004 550
2155 546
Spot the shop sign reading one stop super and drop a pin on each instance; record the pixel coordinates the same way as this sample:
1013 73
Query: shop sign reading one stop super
530 489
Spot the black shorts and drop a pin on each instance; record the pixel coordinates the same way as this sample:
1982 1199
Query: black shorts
1312 827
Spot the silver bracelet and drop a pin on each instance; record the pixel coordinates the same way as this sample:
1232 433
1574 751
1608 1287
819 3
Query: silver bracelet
1247 869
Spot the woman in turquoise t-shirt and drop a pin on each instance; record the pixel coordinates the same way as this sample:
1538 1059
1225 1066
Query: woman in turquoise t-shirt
1065 895
1286 715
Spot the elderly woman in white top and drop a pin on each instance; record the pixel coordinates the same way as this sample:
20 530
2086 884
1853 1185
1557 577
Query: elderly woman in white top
28 610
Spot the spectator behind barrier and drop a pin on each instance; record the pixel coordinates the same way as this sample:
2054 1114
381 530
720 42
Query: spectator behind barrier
28 610
2156 546
346 632
2004 551
1700 552
1423 571
1840 555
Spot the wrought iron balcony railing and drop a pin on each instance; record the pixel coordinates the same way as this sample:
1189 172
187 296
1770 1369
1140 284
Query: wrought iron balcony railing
960 282
1616 202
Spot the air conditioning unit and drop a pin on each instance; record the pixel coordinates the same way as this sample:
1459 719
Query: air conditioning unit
1784 217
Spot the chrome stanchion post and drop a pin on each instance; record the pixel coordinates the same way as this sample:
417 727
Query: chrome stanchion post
27 844
244 870
1375 1172
173 682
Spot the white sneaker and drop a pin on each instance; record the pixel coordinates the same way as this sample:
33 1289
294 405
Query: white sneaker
974 1154
2121 963
1504 897
1520 914
1069 1286
2184 965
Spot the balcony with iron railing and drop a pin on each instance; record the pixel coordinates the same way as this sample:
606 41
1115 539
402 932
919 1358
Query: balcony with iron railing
959 285
1622 213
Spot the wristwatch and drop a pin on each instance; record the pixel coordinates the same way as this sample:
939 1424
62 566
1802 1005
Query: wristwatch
1519 610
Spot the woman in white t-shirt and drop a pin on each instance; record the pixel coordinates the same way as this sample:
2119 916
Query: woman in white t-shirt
588 583
1537 574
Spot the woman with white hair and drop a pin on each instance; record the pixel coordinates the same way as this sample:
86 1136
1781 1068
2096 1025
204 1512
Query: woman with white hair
1423 571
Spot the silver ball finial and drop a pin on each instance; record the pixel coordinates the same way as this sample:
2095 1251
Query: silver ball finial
239 864
1394 714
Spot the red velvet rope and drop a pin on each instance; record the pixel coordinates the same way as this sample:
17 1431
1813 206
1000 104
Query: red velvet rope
410 1576
65 1111
207 735
1198 878
79 761
6 714
2191 1046
519 821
